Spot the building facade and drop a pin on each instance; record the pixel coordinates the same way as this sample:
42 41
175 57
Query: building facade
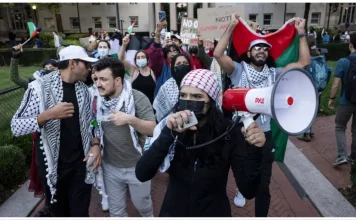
78 17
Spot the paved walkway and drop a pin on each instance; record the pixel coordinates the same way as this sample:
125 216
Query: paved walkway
322 151
285 202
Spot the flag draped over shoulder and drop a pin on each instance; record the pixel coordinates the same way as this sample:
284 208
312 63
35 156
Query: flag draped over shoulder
285 50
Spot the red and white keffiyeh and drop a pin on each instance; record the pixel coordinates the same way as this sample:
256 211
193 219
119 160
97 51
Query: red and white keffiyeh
204 80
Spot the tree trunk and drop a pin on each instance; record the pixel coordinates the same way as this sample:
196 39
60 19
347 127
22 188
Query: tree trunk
59 22
306 13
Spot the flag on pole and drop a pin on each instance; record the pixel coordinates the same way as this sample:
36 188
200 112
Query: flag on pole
285 50
32 29
129 29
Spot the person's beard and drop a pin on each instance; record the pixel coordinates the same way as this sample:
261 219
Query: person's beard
258 62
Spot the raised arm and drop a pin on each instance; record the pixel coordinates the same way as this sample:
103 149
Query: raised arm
122 55
225 62
304 54
202 56
14 68
156 51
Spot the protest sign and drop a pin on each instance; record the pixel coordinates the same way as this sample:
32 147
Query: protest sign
214 21
188 31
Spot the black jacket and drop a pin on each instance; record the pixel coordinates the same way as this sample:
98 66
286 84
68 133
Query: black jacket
197 186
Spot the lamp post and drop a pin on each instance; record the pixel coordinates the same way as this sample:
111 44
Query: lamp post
121 26
34 7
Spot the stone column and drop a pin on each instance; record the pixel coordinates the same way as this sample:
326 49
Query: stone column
190 10
151 18
173 16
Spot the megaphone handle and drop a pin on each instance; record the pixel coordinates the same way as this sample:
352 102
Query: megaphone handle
247 121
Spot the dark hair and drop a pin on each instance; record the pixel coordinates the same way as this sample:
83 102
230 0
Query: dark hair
105 41
54 32
174 59
167 49
269 61
353 40
142 51
62 65
50 61
312 42
116 66
215 125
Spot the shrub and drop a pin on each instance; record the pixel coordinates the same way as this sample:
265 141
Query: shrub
76 36
47 38
23 142
336 50
30 56
71 42
12 166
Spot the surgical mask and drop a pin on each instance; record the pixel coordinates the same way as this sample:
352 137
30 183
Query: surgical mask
141 62
194 106
180 72
103 52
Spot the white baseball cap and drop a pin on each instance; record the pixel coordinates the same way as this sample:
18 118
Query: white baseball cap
73 52
259 41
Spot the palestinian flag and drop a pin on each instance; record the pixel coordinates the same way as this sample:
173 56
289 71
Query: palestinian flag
285 49
33 31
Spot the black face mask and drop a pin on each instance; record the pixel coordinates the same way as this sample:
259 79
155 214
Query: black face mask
45 72
195 106
180 72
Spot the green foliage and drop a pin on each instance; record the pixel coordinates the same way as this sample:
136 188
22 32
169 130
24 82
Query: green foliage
76 36
30 56
71 42
23 142
336 50
12 166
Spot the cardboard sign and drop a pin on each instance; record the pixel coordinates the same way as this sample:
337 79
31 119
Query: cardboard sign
214 21
188 31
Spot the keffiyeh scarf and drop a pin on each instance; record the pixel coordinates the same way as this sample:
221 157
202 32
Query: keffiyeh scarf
166 98
49 89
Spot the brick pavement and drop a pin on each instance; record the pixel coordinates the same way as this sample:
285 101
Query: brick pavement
285 202
322 151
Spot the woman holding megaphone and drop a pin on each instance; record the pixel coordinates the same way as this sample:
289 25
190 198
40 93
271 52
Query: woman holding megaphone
197 146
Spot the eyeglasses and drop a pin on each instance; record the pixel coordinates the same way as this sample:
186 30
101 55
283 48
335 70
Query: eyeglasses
258 48
86 64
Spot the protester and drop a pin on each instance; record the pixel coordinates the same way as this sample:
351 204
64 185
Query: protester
168 94
347 106
257 71
142 77
317 66
161 58
194 59
57 40
35 185
102 49
198 176
126 118
58 106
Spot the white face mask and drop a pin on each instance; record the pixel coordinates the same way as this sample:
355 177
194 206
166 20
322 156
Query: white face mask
103 52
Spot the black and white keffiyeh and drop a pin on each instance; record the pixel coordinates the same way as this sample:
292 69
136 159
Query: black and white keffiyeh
42 94
252 78
166 98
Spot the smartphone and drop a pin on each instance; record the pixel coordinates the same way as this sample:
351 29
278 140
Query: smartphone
162 14
192 122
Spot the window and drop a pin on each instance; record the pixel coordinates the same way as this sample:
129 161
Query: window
18 19
49 23
74 23
97 22
132 19
95 3
267 19
112 22
110 3
289 16
253 17
315 18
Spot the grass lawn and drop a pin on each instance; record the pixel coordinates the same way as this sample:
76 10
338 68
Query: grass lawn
25 72
326 94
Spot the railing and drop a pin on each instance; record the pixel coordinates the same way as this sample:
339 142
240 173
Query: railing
10 100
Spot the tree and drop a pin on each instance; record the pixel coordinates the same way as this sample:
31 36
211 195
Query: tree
306 13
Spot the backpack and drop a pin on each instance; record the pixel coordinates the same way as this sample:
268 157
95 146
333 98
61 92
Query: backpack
318 71
350 81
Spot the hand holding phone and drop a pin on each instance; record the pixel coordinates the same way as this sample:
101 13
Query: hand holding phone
162 15
181 121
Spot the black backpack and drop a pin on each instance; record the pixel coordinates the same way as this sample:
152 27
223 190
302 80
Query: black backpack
350 81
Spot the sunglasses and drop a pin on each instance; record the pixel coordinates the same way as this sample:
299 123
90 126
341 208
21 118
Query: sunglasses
258 48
